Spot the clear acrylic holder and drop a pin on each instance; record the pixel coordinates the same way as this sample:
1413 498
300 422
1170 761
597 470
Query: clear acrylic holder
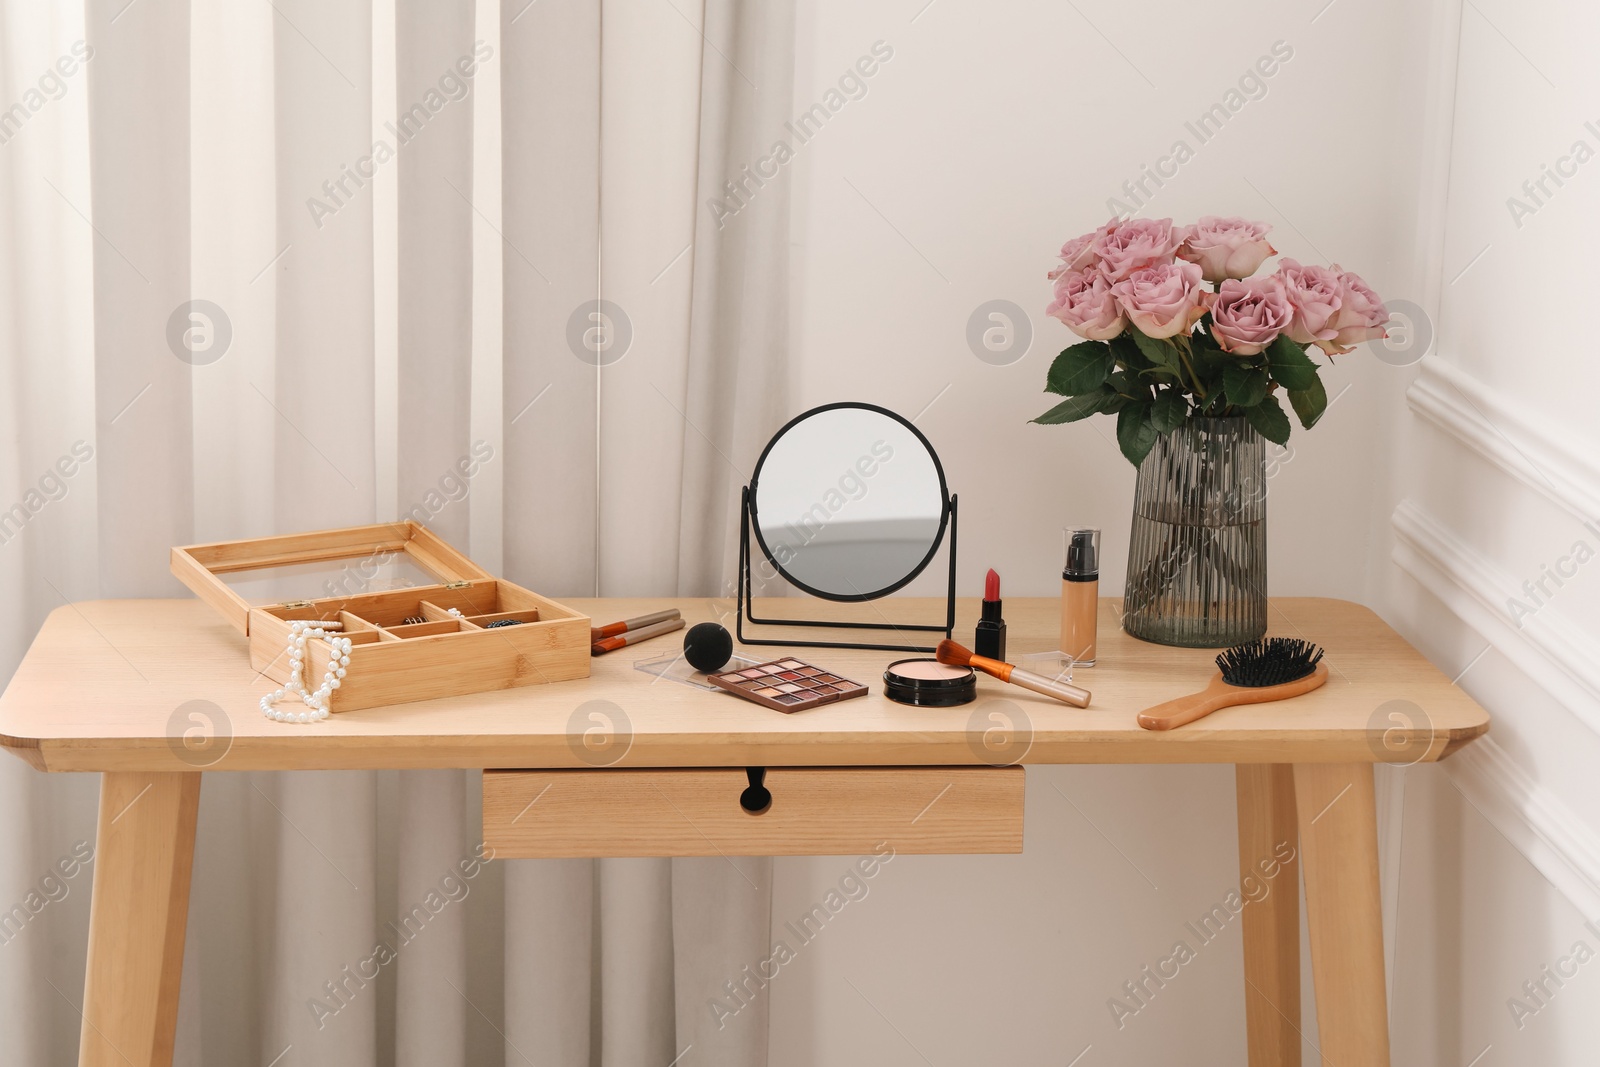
1055 665
673 667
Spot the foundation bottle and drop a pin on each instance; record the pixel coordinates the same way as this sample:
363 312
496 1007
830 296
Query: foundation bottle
1080 594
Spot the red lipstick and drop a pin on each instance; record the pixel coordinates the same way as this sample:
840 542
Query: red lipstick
990 639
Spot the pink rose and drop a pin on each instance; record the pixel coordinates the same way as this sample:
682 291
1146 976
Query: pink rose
1361 315
1225 248
1163 300
1078 253
1246 317
1085 303
1125 247
1315 293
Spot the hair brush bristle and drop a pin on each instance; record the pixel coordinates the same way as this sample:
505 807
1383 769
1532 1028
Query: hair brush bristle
1272 661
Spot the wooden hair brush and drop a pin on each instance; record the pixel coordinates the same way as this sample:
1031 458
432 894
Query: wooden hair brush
1272 669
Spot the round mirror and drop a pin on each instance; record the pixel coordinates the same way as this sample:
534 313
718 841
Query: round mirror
849 502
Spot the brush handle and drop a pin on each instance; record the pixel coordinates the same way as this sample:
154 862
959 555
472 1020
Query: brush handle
1219 694
1006 672
598 633
1062 691
611 644
1187 709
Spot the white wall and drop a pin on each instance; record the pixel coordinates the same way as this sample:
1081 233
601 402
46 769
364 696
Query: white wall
1499 869
994 133
999 130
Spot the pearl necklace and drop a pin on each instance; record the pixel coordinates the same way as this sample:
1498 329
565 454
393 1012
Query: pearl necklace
338 660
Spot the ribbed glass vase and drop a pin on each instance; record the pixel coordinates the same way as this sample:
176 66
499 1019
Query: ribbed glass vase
1197 556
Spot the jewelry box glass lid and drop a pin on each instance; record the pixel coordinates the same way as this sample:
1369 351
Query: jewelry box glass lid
234 576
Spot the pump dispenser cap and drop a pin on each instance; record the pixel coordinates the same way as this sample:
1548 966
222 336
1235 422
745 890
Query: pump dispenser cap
1083 554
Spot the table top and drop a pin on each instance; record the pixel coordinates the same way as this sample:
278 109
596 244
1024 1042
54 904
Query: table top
144 685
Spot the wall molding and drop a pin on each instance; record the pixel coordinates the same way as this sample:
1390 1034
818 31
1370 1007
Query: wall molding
1508 435
1559 844
1544 829
1477 591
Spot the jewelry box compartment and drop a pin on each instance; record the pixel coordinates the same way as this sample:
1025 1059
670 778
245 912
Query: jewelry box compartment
446 628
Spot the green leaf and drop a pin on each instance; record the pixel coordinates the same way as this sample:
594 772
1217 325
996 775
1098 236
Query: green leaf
1078 407
1136 434
1083 368
1169 410
1127 352
1309 404
1246 385
1269 420
1289 364
1129 391
1161 353
1207 353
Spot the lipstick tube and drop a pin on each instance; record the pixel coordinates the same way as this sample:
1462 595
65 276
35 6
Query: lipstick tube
990 638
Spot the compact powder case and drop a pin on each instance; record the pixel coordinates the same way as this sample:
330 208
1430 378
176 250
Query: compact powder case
927 683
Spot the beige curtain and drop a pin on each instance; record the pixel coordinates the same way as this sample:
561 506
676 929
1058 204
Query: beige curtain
413 232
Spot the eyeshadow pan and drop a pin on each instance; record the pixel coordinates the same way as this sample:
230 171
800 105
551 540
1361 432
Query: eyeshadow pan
788 685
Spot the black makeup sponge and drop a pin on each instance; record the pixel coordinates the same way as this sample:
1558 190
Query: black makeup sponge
708 647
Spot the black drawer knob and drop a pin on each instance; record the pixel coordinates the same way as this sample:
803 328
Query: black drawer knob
756 798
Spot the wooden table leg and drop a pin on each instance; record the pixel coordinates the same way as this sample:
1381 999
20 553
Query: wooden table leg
144 852
1268 833
1338 812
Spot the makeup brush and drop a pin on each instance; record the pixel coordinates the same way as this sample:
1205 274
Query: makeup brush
1273 669
612 629
953 654
643 633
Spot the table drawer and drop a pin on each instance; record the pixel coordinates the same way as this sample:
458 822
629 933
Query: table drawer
813 811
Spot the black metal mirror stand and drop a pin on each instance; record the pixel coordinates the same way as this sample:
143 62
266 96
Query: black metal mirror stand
747 612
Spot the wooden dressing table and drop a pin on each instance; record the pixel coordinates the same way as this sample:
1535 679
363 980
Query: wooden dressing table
622 763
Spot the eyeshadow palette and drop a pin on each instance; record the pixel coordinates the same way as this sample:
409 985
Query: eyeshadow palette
788 685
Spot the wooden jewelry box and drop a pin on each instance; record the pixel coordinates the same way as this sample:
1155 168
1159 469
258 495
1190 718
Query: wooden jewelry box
376 581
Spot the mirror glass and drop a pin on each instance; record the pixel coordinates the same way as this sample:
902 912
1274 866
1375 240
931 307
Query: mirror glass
849 502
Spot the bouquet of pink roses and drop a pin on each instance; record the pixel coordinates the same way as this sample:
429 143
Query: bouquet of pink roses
1160 348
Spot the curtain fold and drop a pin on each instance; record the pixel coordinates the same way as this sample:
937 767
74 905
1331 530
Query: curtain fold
252 298
550 121
47 403
139 204
438 63
736 386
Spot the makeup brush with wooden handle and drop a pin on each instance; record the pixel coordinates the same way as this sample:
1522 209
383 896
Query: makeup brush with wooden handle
1274 669
953 654
634 636
639 622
